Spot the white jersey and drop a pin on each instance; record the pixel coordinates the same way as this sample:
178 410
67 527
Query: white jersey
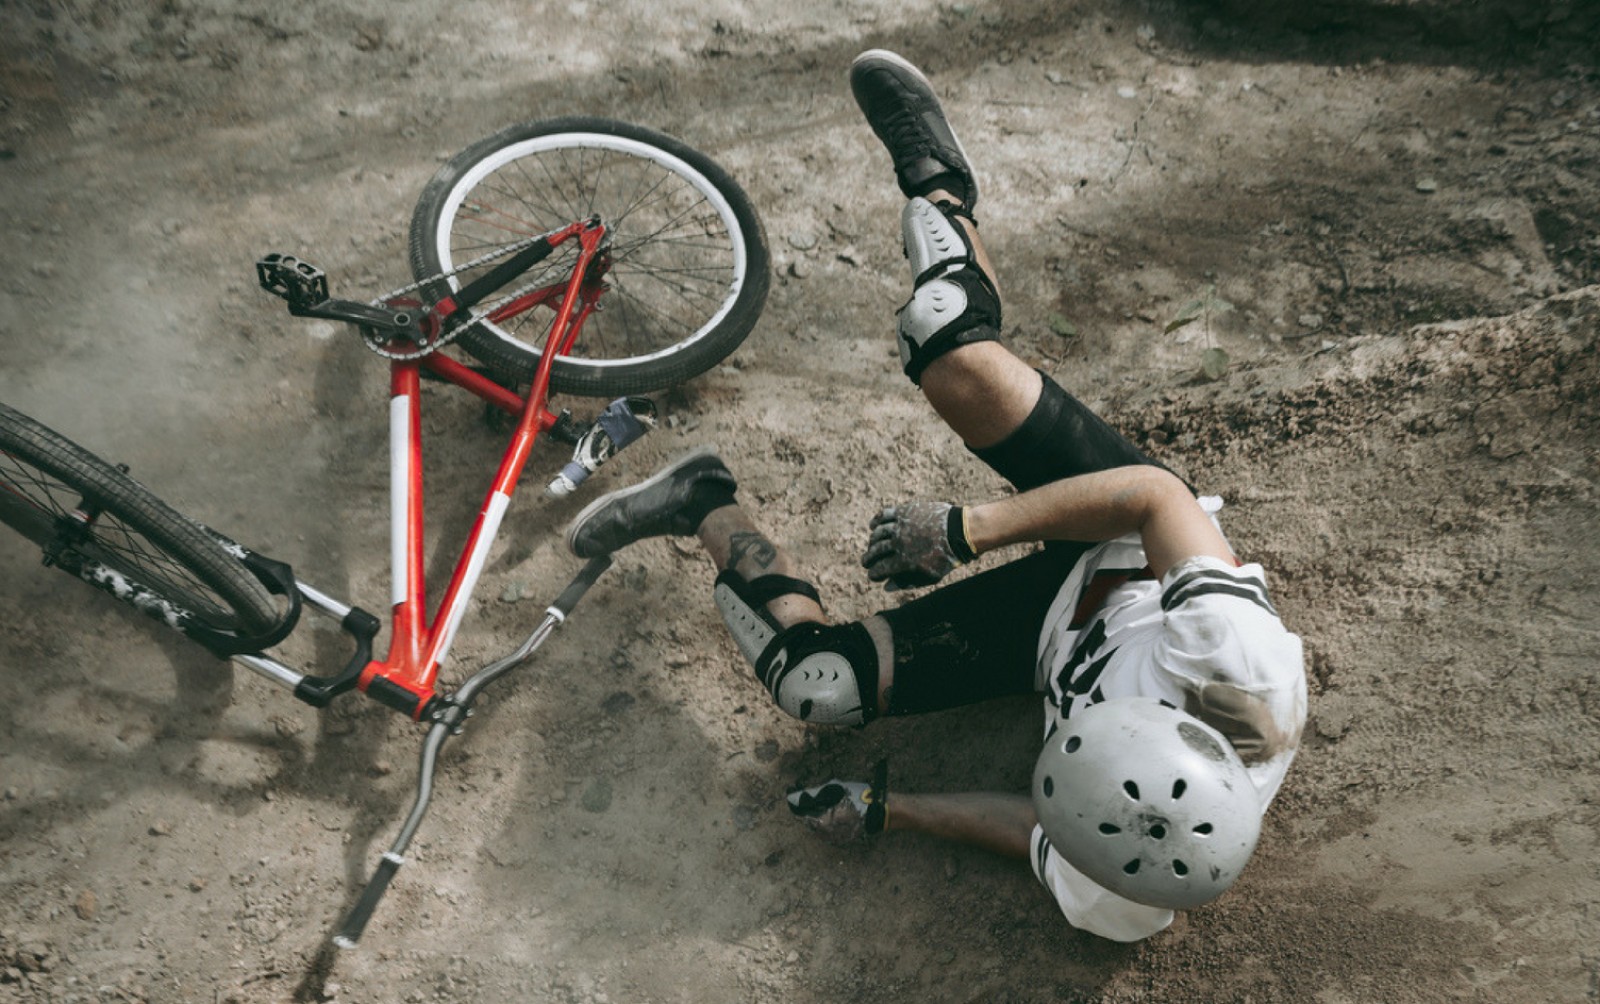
1206 639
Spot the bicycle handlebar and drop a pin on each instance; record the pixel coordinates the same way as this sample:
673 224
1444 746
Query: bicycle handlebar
579 585
448 720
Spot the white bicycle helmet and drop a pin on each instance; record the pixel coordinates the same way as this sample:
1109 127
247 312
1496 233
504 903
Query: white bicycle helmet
1147 801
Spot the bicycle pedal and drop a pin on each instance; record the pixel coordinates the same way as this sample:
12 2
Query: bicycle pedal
300 282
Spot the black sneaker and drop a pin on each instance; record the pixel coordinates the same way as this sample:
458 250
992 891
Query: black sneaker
672 501
900 105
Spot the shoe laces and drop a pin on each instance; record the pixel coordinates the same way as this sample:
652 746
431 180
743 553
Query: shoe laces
904 134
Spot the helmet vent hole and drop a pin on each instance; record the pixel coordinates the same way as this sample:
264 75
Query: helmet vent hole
1158 831
1072 744
1110 828
1049 786
1179 869
1132 789
1204 829
1132 867
1178 788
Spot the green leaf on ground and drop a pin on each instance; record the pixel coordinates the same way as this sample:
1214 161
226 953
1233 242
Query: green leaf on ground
1189 313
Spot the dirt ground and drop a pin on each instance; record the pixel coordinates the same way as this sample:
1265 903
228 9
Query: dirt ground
1388 207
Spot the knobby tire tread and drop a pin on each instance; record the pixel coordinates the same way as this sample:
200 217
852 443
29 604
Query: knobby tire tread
188 545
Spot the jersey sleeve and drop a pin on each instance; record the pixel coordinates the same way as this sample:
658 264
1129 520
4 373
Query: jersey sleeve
1090 906
1239 669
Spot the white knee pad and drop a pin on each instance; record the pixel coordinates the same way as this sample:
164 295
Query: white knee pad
952 302
933 241
825 674
820 673
745 616
946 311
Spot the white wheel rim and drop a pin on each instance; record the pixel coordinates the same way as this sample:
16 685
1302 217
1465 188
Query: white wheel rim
679 167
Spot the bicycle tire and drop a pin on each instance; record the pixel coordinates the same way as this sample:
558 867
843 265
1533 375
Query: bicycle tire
137 548
690 267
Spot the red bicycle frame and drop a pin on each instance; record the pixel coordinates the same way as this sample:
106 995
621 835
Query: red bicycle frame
405 678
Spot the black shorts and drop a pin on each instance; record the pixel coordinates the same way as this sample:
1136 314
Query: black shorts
979 638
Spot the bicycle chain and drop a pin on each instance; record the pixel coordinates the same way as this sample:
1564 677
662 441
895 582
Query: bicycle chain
376 345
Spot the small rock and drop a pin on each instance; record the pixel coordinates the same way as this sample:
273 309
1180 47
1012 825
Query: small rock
802 240
160 828
1427 185
1310 320
596 797
1127 92
744 817
511 593
86 905
197 885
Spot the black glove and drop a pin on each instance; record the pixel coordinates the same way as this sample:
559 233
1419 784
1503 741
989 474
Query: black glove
915 544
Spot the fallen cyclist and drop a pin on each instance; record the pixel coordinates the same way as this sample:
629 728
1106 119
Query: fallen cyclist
1174 695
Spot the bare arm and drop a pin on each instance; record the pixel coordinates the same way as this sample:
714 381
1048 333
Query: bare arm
1104 505
1000 823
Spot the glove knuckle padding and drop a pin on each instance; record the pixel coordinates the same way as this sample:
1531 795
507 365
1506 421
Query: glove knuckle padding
826 674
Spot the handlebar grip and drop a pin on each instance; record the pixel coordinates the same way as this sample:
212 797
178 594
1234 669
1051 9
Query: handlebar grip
579 585
356 922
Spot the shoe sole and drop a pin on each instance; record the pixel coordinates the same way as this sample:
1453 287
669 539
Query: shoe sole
634 489
900 62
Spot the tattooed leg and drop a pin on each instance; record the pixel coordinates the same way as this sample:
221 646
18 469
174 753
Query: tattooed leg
736 545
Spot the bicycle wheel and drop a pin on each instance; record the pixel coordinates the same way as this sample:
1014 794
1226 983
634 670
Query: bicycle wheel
135 547
689 267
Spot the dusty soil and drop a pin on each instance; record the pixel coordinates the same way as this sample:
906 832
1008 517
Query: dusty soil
1395 199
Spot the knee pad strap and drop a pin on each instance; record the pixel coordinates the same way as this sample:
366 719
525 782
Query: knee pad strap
825 674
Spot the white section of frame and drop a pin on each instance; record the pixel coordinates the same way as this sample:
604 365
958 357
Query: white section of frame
492 515
399 492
